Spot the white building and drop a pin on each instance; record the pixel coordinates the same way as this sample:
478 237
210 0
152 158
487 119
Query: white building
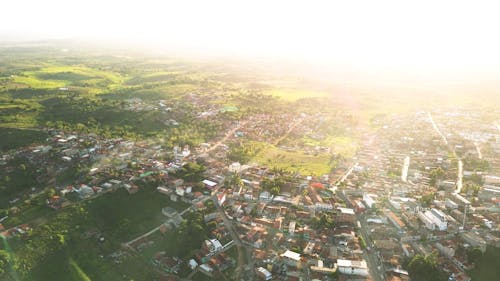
352 267
323 207
265 196
434 219
426 221
491 179
221 198
213 245
179 190
291 257
264 273
291 228
193 264
235 167
368 200
450 204
346 211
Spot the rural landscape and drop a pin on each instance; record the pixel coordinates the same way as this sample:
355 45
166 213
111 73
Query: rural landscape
233 140
128 167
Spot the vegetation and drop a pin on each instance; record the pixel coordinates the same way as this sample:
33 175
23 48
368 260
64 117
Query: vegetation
425 268
487 265
323 221
241 153
191 232
475 164
293 161
161 101
191 172
436 175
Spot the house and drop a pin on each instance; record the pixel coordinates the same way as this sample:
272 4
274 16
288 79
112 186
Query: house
85 192
320 207
179 190
291 258
265 196
173 217
368 200
209 184
352 267
192 264
164 190
167 264
213 246
221 198
264 274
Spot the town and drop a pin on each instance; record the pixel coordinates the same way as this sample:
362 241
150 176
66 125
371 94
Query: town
419 197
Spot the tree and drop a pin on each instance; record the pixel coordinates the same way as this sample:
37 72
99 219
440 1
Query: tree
51 192
425 268
487 266
474 255
233 180
427 199
323 221
192 230
191 171
436 175
275 190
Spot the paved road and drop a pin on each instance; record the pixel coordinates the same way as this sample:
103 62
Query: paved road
371 257
479 154
460 176
288 132
242 251
404 172
460 163
437 128
226 137
343 178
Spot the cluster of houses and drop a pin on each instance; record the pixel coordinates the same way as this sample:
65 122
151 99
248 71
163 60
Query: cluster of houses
360 222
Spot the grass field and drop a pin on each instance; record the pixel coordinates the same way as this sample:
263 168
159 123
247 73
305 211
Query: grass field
118 217
346 146
63 76
124 216
294 161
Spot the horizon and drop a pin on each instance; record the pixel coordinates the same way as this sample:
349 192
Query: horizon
446 40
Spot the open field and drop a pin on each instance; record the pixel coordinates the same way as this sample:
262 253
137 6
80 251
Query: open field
118 217
293 161
63 76
124 216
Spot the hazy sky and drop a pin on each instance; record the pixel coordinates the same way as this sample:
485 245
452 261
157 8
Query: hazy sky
430 35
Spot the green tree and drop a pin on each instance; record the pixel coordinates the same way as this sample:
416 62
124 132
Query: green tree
191 172
426 199
425 268
436 175
474 255
233 181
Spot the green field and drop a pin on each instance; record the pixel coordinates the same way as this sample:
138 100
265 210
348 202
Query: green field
118 217
293 161
123 216
63 76
346 146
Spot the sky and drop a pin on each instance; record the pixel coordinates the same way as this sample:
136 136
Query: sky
426 36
